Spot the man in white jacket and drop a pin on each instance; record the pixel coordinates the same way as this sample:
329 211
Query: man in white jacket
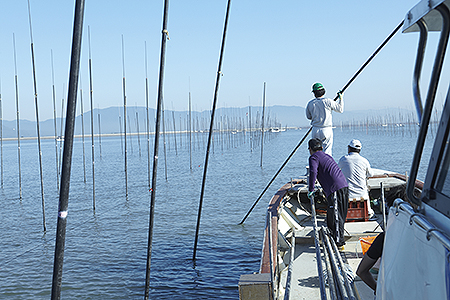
319 111
356 170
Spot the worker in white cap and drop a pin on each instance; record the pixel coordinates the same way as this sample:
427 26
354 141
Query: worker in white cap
356 170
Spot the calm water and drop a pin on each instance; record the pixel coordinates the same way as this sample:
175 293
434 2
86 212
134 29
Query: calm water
105 256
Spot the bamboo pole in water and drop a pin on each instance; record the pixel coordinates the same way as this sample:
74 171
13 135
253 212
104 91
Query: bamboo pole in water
91 98
131 136
174 132
165 35
120 133
138 135
124 117
60 131
99 135
17 116
262 124
54 122
37 119
82 131
190 132
148 118
68 147
164 140
1 133
219 73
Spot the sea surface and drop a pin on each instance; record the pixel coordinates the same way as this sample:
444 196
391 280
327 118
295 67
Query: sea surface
106 249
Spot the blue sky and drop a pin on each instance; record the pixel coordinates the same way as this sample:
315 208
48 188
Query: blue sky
287 44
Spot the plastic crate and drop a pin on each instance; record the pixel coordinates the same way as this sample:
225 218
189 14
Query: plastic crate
357 211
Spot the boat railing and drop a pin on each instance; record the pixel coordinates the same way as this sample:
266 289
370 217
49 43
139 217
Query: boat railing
271 264
287 290
421 220
410 21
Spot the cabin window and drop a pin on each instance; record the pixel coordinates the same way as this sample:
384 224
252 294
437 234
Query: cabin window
443 180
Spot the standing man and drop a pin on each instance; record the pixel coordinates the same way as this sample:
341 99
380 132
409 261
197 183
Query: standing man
318 111
356 170
323 168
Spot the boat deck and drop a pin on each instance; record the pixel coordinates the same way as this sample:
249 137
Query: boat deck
305 281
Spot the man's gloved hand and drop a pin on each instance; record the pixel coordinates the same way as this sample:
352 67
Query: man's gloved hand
310 194
339 93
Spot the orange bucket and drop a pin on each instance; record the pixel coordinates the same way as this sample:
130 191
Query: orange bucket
366 242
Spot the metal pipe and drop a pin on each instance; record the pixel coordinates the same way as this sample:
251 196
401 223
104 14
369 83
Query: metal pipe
92 119
341 264
165 35
272 269
431 95
341 291
287 290
418 66
331 282
383 204
323 294
216 91
68 147
37 119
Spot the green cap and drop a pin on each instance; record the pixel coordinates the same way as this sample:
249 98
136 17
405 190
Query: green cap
317 86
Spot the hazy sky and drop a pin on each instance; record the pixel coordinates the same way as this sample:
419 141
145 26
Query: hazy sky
287 44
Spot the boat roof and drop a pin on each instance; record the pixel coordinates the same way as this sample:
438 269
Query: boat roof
424 9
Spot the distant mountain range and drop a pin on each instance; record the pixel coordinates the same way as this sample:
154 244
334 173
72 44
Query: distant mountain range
225 118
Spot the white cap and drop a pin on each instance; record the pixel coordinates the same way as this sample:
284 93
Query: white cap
356 144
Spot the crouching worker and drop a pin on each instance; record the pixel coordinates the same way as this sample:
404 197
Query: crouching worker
369 259
323 168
